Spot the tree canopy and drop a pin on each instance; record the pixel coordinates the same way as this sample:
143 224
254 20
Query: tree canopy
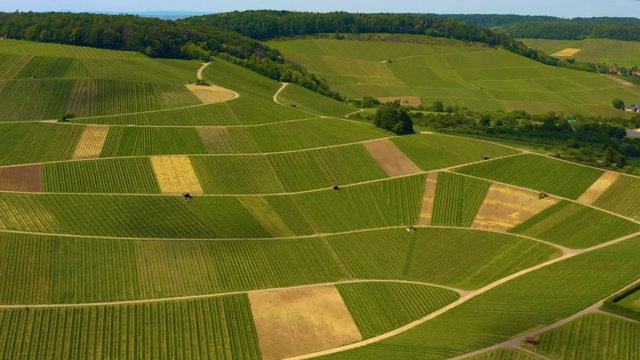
393 118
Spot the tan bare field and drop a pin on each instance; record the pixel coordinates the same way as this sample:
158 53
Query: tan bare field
409 100
299 321
393 161
598 188
175 175
212 94
567 52
505 207
26 178
267 216
91 142
428 199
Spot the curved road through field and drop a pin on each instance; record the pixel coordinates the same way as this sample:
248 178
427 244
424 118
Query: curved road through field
275 96
457 303
515 343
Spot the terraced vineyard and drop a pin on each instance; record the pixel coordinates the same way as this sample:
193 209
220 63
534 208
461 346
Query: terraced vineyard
154 225
379 307
457 200
469 76
590 337
538 173
225 321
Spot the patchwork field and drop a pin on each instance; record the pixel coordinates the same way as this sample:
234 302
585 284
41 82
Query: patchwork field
473 77
101 256
538 173
610 52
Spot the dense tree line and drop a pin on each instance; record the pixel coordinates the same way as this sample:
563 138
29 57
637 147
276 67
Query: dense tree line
549 27
582 138
269 24
498 20
156 38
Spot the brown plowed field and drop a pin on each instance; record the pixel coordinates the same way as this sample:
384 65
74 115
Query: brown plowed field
391 159
26 178
294 322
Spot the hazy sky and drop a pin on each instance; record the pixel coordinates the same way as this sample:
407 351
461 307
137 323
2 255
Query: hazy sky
562 8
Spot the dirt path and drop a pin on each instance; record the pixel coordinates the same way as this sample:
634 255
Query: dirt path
460 301
355 112
515 342
201 69
620 81
275 96
208 296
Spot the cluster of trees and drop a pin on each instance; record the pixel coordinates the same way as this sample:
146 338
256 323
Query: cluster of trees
392 117
157 38
268 24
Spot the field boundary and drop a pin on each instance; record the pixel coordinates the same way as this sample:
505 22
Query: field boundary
515 342
241 292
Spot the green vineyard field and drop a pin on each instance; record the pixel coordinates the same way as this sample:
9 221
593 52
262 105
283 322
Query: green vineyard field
458 199
594 336
446 151
521 305
215 328
466 259
538 173
380 307
59 270
125 176
576 226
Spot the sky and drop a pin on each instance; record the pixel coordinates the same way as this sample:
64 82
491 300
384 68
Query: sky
560 8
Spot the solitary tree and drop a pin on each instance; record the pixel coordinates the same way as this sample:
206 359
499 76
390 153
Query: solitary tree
618 103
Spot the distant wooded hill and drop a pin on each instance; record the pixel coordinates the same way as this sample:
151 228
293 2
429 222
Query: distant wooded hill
549 27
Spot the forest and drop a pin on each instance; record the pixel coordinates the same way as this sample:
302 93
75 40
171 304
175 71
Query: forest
549 27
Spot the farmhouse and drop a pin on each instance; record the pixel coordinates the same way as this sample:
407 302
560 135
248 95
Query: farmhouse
633 108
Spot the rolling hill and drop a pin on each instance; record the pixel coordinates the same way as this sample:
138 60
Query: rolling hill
350 241
473 77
